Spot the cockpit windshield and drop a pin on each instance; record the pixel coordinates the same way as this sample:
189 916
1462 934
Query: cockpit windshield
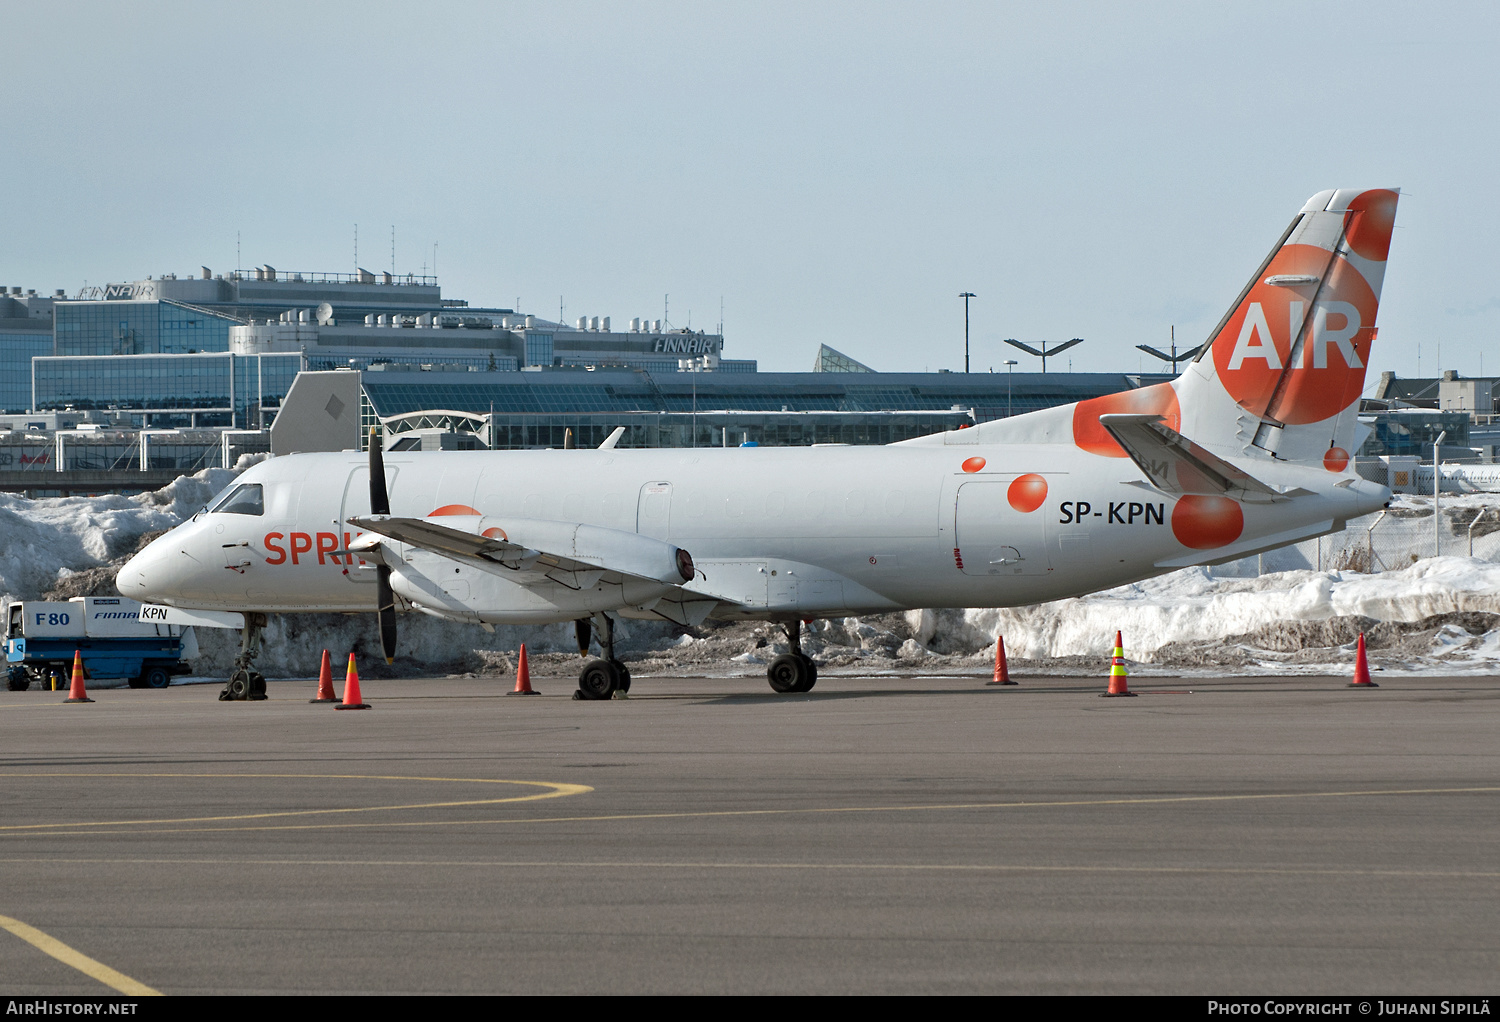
245 499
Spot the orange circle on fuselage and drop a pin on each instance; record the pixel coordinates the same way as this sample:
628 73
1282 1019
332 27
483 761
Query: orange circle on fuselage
1207 523
454 509
1336 460
973 465
1027 492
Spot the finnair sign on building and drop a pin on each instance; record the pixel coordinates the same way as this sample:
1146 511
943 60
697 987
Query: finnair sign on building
700 345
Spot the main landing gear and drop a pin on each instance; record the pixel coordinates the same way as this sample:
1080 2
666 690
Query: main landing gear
600 679
793 671
245 682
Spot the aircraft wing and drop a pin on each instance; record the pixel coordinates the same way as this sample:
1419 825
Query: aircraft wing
530 550
1176 465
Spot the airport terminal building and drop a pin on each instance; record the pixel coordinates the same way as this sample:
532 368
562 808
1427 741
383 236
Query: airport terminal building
221 350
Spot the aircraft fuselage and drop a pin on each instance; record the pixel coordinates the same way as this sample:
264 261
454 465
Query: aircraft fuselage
774 532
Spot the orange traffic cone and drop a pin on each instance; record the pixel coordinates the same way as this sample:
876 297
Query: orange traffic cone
351 690
1361 668
325 682
1118 685
523 676
77 694
1002 669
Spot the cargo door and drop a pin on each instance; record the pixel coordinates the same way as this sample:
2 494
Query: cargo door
993 537
654 511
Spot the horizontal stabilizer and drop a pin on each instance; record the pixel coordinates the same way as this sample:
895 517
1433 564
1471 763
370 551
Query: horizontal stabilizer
540 548
1176 465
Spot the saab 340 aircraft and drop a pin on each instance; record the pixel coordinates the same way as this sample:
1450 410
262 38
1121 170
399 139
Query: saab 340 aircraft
1246 451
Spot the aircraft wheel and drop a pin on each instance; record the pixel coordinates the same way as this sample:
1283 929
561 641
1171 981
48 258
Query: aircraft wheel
812 673
789 673
599 679
239 687
623 685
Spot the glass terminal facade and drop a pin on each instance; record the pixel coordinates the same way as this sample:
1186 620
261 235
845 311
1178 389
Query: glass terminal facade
17 349
534 409
138 328
205 389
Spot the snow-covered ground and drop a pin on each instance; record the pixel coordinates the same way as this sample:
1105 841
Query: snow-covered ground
1304 613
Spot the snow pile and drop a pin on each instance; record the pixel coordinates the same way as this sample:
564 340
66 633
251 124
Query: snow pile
41 539
1193 605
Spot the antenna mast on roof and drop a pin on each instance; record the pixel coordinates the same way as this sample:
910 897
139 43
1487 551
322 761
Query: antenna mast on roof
356 248
393 250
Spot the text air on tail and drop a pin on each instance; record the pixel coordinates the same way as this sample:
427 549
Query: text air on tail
1283 371
1278 379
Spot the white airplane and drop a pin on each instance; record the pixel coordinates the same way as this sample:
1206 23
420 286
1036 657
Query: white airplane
1246 451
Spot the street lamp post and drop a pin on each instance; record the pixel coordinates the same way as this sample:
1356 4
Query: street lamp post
1437 478
966 296
1009 375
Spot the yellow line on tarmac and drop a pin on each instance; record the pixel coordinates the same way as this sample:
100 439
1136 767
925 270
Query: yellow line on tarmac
557 791
77 959
64 828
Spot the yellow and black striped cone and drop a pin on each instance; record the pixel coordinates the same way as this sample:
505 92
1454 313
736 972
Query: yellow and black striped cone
1119 684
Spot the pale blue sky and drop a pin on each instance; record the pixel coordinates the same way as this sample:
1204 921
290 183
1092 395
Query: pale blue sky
836 172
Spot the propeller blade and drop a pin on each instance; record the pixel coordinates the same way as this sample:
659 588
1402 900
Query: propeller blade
582 628
385 610
380 500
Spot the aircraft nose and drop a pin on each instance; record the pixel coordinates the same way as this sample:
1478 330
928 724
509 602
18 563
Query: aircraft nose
156 573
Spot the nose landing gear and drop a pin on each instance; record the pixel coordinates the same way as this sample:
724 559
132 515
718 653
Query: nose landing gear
245 682
793 671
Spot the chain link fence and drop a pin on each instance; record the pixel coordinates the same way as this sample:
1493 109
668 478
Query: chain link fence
1390 540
